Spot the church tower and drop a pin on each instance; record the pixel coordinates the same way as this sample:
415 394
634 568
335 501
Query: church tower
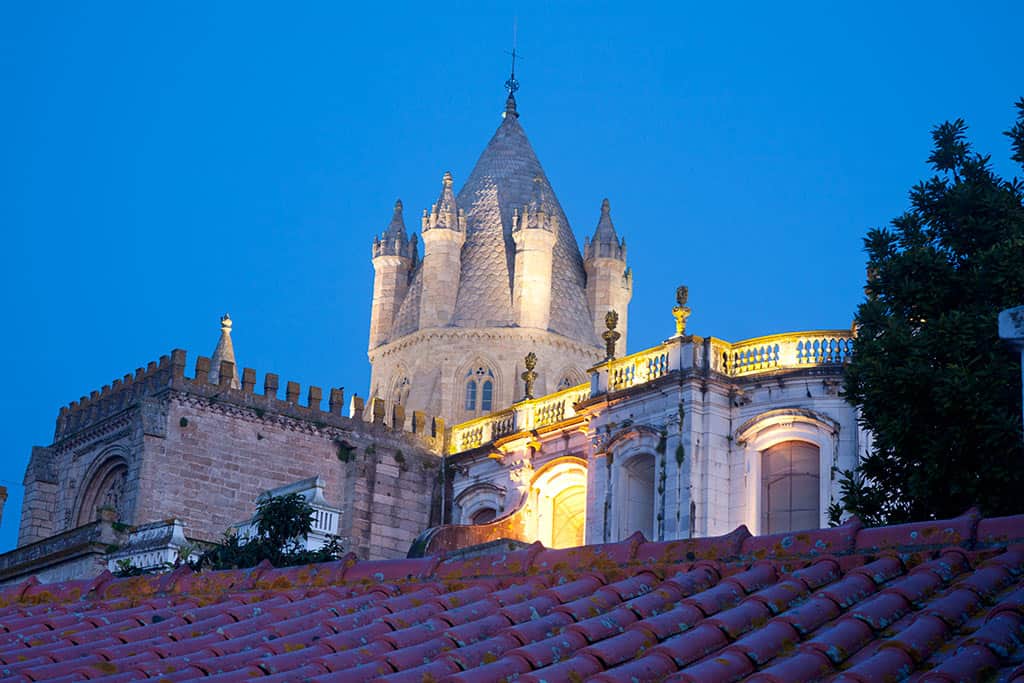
394 256
609 281
533 232
501 276
444 232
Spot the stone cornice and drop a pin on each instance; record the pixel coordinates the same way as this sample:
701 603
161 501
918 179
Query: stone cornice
482 334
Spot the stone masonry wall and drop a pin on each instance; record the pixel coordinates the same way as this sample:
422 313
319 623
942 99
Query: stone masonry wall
203 452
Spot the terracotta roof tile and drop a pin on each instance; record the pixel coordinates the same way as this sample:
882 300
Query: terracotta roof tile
727 608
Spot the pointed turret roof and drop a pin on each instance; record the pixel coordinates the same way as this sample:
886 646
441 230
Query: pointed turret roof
445 212
395 240
605 231
605 242
225 351
509 176
396 228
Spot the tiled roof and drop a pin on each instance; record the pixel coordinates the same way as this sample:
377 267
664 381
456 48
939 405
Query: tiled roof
935 601
504 179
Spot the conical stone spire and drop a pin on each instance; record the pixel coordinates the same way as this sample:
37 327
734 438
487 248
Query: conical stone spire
395 241
225 351
396 228
605 243
445 212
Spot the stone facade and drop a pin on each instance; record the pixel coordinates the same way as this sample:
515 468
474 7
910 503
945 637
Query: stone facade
684 439
158 445
675 442
501 275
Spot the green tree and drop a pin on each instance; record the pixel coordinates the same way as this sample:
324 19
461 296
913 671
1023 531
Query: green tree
935 385
283 524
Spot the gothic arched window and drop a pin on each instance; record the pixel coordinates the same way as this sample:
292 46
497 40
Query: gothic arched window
400 392
479 382
486 396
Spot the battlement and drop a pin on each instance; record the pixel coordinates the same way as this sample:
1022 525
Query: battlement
168 373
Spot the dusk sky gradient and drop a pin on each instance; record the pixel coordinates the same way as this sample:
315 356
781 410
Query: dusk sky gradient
167 162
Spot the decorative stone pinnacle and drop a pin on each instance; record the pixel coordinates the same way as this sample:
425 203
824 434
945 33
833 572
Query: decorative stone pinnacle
398 205
606 207
611 320
225 323
446 179
529 377
681 311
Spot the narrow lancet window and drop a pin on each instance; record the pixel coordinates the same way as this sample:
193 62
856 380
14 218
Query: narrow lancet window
486 396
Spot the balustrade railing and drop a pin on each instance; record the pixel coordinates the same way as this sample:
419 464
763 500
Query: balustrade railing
790 351
638 368
783 352
531 414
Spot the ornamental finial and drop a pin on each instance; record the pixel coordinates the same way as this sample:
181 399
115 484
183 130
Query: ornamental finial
681 311
512 85
225 323
529 377
611 320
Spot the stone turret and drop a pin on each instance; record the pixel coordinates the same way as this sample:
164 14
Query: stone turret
394 257
609 280
534 231
444 232
225 352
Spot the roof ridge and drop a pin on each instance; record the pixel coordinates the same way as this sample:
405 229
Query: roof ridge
968 533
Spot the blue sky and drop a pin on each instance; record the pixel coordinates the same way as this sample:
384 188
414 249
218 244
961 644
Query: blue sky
165 163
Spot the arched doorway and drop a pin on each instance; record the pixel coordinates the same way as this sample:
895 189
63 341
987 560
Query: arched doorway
559 501
568 517
790 480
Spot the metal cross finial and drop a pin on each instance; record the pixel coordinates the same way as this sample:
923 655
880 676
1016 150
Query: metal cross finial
512 85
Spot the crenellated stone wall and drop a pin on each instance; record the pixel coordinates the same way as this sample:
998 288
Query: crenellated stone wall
158 444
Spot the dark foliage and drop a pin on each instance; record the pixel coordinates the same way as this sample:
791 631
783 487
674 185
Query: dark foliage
282 525
936 386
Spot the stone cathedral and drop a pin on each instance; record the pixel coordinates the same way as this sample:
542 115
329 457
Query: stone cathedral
501 274
502 406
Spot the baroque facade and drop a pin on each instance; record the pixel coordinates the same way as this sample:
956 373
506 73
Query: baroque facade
690 438
501 406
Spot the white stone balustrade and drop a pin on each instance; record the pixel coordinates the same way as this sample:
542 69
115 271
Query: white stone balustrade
775 352
525 415
789 351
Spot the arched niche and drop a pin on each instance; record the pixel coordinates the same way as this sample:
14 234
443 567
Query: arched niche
636 495
106 486
634 499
